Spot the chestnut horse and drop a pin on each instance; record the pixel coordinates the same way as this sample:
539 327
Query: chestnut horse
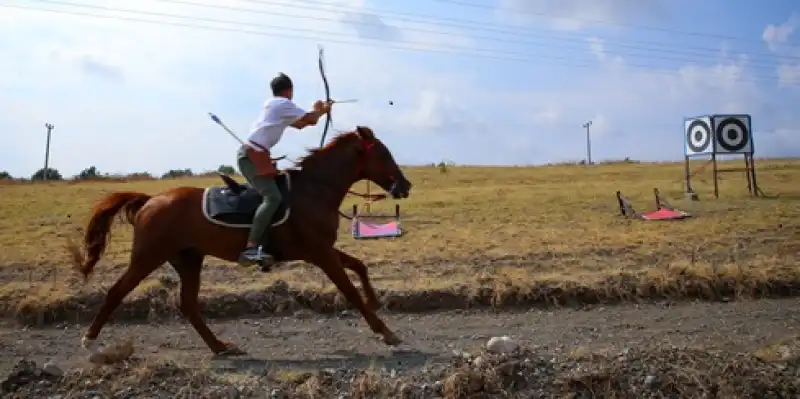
175 227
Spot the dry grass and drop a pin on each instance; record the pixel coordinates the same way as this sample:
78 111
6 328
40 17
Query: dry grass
494 234
651 371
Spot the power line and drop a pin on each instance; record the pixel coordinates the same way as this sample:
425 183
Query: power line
474 25
581 42
578 43
480 24
605 22
481 53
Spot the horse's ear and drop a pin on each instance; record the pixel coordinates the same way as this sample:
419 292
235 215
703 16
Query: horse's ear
365 133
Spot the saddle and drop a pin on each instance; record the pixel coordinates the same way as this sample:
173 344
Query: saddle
234 204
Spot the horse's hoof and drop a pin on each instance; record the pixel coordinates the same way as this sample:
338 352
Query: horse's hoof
88 343
392 340
230 350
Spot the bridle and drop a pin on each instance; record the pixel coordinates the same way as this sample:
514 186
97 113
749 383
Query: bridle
368 151
369 146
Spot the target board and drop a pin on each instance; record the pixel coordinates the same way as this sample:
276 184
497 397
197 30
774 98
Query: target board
717 134
698 135
732 134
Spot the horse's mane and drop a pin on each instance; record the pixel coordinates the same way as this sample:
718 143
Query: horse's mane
314 153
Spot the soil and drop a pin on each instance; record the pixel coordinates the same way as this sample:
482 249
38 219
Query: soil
307 341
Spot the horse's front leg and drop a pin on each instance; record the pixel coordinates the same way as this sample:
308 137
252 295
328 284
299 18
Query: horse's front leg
330 263
358 267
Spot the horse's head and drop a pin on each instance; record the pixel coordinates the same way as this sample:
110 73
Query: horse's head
378 165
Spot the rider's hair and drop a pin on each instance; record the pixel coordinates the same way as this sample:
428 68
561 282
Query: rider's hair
280 84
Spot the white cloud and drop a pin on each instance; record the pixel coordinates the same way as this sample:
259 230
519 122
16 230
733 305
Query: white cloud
789 75
777 39
571 15
777 35
598 49
130 96
639 111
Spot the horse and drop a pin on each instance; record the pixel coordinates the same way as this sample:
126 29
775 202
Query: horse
183 225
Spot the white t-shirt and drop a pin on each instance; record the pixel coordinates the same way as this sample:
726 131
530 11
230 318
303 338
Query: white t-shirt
276 115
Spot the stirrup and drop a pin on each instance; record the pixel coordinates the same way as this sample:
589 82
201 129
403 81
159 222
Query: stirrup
245 259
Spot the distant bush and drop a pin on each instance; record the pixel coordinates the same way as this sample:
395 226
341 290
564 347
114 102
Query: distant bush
177 173
208 173
92 174
47 174
626 160
89 173
226 169
139 176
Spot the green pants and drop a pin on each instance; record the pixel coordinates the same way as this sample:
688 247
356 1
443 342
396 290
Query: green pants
267 188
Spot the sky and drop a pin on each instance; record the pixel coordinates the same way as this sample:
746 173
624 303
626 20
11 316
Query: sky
480 82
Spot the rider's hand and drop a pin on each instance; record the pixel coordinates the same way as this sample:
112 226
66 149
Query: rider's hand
327 106
319 106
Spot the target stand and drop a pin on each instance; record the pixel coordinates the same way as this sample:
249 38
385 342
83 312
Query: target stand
714 135
372 225
375 225
663 211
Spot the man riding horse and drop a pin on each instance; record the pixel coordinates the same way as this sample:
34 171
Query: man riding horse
255 163
176 227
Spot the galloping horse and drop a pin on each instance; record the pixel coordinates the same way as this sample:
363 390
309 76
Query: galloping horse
184 224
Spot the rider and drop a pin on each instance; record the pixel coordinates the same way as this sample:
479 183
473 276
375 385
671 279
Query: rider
256 165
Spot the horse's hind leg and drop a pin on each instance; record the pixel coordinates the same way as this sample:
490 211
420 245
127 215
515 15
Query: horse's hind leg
188 264
359 268
143 262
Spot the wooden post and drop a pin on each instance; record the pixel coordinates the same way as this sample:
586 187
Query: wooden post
687 174
368 205
655 197
715 174
747 173
756 190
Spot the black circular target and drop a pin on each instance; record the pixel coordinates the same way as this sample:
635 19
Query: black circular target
732 134
698 135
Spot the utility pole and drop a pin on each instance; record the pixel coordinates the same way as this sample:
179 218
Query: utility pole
47 152
588 143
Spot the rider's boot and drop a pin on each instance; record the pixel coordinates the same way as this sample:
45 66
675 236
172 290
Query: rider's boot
254 254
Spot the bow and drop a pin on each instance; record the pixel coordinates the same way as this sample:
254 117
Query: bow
327 93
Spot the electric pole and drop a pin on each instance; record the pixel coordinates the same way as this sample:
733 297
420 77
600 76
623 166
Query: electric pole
588 143
46 172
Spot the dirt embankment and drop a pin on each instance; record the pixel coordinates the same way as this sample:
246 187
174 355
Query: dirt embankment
280 298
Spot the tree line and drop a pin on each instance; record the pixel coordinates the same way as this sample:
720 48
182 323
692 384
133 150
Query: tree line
91 173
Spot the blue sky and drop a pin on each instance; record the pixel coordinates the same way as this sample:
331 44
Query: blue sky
472 81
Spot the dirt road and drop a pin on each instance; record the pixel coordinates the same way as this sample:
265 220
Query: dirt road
307 341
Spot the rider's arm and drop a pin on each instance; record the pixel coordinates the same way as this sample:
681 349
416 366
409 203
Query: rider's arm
297 116
308 119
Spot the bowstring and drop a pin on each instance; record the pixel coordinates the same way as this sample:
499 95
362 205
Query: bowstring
328 119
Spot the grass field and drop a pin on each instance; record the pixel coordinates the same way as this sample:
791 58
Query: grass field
491 235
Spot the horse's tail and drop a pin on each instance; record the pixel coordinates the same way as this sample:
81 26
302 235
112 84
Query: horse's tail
95 239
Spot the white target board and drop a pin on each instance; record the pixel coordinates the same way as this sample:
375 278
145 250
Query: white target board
732 134
698 135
